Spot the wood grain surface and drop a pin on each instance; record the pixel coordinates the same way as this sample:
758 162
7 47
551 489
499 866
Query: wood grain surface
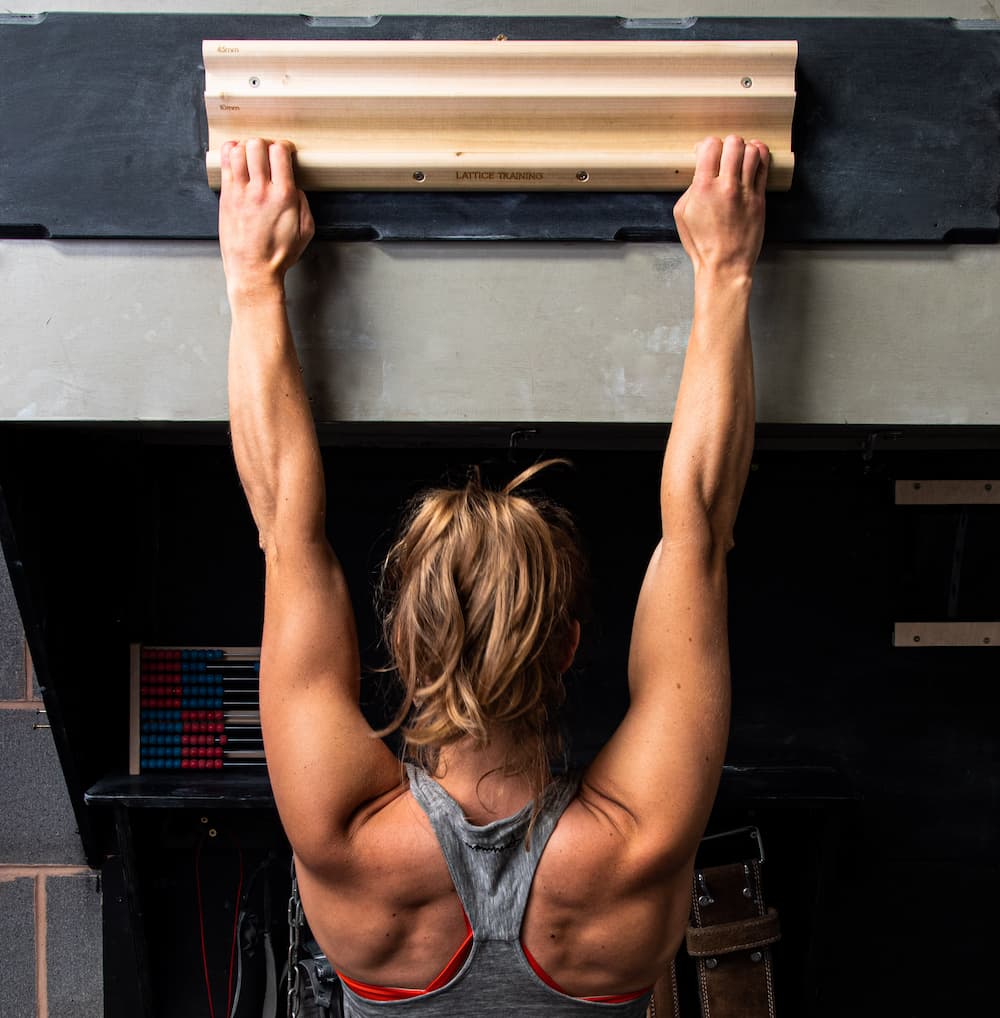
498 114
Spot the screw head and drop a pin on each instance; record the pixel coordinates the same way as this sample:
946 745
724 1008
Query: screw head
254 81
756 956
710 963
916 639
747 82
418 176
583 175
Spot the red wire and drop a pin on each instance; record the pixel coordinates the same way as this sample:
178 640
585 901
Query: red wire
201 931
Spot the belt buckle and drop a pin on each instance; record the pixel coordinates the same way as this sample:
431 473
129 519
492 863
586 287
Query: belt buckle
742 845
738 845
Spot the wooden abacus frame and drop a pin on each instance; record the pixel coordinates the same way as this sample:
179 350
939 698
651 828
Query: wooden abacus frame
135 690
498 114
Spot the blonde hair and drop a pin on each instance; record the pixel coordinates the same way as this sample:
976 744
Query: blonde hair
480 594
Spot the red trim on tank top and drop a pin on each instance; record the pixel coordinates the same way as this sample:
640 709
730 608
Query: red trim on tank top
382 994
610 998
385 993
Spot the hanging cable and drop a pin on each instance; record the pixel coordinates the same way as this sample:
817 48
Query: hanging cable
201 929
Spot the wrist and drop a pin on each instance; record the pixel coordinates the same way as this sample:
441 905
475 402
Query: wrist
246 293
727 279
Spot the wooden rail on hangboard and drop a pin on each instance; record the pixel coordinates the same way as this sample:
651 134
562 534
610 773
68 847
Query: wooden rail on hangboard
499 115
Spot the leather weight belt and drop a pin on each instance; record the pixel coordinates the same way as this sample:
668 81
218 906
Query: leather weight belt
730 933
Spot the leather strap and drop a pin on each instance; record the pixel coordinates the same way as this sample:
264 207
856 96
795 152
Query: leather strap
740 935
731 930
729 943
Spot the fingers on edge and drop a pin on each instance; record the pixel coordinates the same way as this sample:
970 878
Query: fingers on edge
731 162
751 166
225 155
765 163
279 155
258 163
238 162
708 154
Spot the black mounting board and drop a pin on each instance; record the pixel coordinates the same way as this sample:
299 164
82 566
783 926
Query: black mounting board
103 133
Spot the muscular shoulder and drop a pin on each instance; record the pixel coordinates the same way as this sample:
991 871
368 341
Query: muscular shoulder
597 848
385 910
603 902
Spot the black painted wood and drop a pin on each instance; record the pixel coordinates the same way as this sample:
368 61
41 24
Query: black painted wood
142 533
102 131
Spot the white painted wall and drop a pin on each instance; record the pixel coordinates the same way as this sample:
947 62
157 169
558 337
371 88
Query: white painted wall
506 331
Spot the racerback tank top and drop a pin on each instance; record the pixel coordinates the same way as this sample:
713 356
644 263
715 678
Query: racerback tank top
492 871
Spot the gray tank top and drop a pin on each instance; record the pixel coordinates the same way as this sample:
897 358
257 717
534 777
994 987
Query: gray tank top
492 872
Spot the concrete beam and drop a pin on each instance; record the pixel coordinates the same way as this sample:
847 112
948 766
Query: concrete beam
518 332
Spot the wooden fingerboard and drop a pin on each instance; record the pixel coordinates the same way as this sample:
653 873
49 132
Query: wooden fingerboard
499 115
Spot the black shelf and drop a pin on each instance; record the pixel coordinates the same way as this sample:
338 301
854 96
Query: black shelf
182 791
746 786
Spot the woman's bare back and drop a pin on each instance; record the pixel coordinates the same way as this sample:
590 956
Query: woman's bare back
596 922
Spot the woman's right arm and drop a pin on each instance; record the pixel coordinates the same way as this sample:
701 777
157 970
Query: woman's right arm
659 773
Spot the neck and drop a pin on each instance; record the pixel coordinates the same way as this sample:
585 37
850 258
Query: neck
474 776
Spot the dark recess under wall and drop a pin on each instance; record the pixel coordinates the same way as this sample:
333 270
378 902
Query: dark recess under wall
870 769
896 131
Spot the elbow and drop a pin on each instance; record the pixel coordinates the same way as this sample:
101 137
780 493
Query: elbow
696 515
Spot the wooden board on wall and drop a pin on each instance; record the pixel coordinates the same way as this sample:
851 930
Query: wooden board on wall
896 130
499 115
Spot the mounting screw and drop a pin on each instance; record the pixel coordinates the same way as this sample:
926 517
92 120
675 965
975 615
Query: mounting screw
418 176
756 956
710 963
916 639
254 81
747 82
583 175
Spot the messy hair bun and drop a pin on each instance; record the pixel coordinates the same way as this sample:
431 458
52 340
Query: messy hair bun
480 594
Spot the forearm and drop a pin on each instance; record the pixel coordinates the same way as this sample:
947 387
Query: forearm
711 437
273 434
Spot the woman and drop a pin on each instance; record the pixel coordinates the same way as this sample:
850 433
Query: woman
475 884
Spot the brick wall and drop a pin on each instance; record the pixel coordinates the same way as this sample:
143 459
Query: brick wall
50 902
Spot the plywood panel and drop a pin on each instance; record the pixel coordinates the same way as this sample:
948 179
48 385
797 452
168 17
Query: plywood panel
499 114
946 634
949 492
896 130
